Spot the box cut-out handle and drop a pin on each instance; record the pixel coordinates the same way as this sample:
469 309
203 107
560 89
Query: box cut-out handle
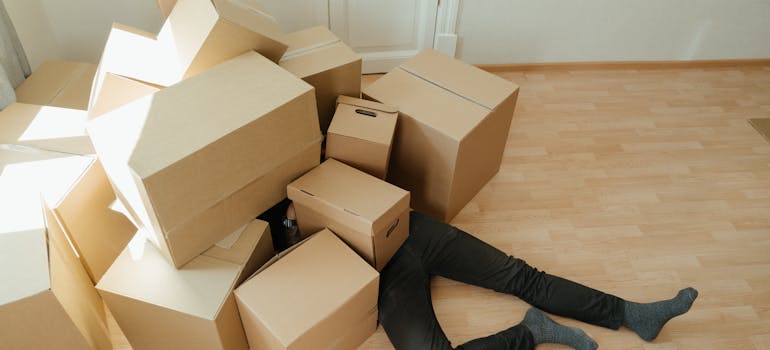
366 113
307 193
392 228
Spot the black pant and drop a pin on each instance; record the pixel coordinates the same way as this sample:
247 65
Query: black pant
436 248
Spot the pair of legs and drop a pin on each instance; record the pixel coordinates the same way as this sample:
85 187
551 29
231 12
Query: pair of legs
435 248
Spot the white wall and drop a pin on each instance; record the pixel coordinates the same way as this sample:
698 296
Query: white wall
525 31
75 29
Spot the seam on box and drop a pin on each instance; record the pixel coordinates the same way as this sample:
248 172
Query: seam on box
306 50
446 89
253 10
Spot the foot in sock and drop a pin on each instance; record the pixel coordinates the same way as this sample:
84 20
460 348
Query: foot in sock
544 330
648 319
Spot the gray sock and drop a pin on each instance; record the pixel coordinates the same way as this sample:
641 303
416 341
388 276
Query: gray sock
648 319
545 330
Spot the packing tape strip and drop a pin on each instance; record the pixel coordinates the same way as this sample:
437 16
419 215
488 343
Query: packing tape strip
446 89
305 50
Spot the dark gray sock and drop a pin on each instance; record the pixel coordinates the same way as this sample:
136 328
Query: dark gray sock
544 330
648 319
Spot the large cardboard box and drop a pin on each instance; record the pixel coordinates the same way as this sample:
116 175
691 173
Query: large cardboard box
370 215
361 135
58 83
82 204
197 35
197 160
160 307
320 295
452 128
320 58
47 300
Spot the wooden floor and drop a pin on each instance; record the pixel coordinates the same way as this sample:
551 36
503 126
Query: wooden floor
637 183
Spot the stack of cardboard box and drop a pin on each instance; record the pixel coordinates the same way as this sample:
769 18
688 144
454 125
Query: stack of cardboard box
220 117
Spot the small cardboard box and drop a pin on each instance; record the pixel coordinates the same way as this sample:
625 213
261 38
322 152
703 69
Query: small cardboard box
370 215
197 160
47 300
160 307
82 204
197 35
320 58
320 295
453 124
58 83
45 127
361 135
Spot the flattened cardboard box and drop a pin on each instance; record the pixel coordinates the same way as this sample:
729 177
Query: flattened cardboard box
361 135
82 207
58 83
320 295
370 215
47 300
321 59
197 160
197 35
160 307
452 127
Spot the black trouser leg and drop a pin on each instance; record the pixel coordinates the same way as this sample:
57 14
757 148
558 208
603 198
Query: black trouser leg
449 252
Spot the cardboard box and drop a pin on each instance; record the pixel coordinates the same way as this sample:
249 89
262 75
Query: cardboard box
452 128
197 35
82 203
320 58
370 215
197 160
320 295
58 83
160 307
361 135
47 300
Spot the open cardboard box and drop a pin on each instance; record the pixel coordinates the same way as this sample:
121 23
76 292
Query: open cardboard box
160 307
361 135
197 35
318 295
452 127
47 300
58 83
199 159
321 59
370 215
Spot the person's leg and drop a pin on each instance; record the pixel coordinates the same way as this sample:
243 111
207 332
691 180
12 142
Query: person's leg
406 311
449 252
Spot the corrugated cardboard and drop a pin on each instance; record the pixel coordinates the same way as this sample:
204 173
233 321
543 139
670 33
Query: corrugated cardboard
320 295
452 128
160 307
361 135
370 215
199 159
82 205
58 83
47 300
197 35
317 56
45 127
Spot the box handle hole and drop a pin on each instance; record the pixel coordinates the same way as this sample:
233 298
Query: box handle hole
366 113
392 228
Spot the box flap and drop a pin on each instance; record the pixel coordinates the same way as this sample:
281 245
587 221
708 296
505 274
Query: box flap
331 274
45 127
467 81
23 255
308 39
253 16
336 184
364 123
371 105
436 107
199 288
249 238
49 80
75 95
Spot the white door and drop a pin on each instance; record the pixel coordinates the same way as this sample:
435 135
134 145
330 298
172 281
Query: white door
385 33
